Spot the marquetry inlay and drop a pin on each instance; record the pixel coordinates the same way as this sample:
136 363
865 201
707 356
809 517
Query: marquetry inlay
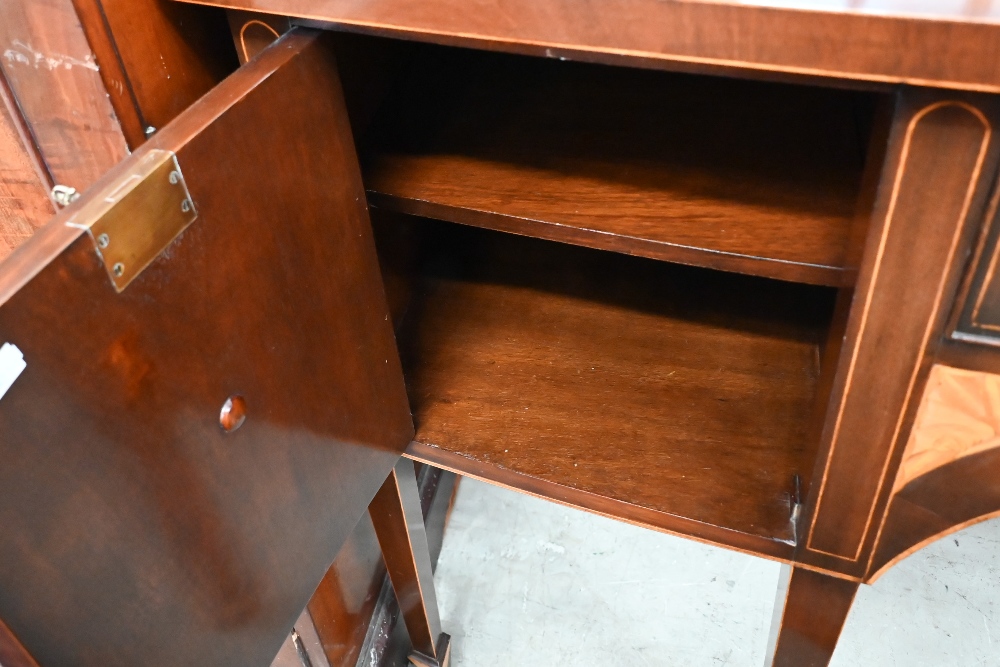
959 415
863 433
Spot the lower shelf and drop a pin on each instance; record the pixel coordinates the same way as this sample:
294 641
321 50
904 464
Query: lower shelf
669 396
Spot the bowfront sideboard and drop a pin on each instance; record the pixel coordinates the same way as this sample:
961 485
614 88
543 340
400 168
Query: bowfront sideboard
725 270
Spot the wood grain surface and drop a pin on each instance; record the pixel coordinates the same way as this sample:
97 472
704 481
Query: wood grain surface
652 392
24 200
642 162
134 526
252 33
959 47
935 184
809 618
344 602
938 503
156 57
959 416
55 79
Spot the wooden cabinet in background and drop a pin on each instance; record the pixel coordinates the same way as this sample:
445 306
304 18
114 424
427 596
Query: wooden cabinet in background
69 109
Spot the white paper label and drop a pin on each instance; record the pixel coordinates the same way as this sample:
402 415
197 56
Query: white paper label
11 365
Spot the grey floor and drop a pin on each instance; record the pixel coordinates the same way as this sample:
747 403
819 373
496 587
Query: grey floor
526 582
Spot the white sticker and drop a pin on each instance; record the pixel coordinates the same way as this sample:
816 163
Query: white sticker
11 365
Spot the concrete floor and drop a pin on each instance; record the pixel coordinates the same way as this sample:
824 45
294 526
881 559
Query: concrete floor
526 582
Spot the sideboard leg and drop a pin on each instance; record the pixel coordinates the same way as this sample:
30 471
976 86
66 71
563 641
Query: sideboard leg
809 614
399 524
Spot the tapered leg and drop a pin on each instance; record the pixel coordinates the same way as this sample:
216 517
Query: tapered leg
399 525
808 616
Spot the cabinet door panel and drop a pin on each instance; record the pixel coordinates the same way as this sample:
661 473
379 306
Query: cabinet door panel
133 528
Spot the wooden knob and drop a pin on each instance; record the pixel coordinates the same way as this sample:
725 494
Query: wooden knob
233 413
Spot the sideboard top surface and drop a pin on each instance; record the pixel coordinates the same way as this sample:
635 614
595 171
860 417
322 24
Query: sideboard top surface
976 11
941 43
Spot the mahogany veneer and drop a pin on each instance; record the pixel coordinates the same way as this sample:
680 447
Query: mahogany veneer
949 44
735 409
643 162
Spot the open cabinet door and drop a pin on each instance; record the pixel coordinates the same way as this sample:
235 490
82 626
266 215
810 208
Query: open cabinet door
231 256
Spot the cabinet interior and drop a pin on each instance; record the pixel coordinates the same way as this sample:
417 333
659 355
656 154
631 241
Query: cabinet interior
758 178
612 282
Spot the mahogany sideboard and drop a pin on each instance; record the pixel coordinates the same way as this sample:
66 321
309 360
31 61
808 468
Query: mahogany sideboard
725 270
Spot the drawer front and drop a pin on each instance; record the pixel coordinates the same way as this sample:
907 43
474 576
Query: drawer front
979 320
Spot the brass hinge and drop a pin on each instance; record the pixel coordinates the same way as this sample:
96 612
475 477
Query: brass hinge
134 218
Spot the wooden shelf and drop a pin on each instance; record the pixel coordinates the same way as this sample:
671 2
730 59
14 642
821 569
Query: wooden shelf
751 177
673 397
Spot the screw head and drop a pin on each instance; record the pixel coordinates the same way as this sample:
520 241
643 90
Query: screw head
103 241
174 177
118 269
186 205
64 195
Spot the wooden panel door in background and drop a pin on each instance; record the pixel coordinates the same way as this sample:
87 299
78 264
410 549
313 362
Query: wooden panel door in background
56 84
156 57
135 529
